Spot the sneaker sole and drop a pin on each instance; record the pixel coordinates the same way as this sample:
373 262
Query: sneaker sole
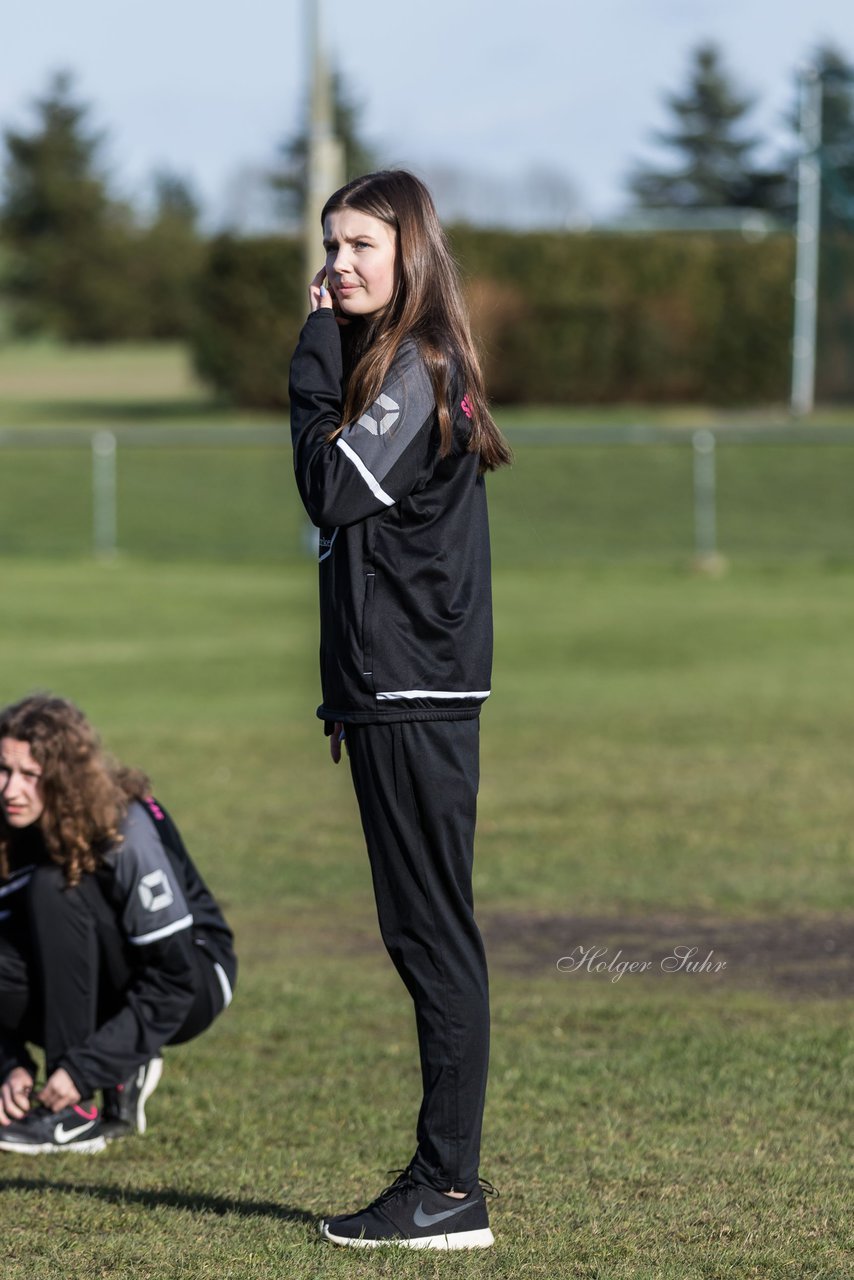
86 1146
152 1080
481 1239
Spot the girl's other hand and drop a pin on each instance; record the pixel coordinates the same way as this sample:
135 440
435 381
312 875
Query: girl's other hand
318 292
335 739
15 1095
60 1091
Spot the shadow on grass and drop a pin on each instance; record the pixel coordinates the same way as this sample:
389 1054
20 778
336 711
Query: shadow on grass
152 1199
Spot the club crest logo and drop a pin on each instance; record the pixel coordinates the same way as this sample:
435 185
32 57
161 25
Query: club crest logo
381 416
155 892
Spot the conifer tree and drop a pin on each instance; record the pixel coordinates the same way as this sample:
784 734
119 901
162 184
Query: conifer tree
56 218
289 178
837 138
710 144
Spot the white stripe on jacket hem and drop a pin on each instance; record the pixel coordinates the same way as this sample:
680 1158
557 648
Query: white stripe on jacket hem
433 693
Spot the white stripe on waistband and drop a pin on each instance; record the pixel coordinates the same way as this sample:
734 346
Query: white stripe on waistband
227 993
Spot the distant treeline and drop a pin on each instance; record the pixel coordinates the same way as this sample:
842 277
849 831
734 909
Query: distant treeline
565 318
590 318
562 316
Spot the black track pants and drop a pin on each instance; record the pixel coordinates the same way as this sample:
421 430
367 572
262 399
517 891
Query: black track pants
66 973
416 784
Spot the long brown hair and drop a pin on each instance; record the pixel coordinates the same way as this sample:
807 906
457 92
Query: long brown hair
85 793
426 304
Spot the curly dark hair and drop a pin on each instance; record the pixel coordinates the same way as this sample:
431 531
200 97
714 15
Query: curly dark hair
86 794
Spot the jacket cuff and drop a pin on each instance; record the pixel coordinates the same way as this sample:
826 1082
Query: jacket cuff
17 1058
80 1083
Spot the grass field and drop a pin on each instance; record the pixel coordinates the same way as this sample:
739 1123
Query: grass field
672 768
667 762
217 500
214 502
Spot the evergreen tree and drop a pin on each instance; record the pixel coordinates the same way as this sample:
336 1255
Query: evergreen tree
62 232
835 336
290 177
52 185
837 138
836 74
168 259
174 198
711 147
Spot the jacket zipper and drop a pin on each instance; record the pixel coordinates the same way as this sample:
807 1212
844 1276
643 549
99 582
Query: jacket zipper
367 627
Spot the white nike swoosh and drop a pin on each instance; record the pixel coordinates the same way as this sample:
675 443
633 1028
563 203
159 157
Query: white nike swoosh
61 1134
422 1219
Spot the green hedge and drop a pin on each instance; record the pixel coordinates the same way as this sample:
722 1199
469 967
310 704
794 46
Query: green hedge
834 365
601 318
130 284
562 318
251 310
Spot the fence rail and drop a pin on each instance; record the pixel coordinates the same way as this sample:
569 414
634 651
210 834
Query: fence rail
228 489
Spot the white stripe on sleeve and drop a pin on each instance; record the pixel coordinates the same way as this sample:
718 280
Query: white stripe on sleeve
371 481
175 927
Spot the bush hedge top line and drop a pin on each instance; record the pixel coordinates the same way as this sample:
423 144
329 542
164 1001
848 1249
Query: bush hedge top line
561 318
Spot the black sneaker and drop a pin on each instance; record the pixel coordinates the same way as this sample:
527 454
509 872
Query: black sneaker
77 1128
124 1105
416 1217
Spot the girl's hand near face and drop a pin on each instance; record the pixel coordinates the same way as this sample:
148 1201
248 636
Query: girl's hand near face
321 296
318 292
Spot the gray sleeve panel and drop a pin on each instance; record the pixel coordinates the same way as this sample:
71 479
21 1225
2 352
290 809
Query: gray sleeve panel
154 902
404 405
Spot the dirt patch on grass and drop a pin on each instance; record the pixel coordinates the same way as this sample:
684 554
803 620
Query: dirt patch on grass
795 955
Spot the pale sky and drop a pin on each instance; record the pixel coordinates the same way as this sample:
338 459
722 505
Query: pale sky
208 89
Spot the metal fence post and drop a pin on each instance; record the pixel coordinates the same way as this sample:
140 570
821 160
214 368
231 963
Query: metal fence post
705 517
104 515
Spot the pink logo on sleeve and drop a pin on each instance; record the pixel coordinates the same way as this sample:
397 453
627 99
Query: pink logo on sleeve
154 807
465 405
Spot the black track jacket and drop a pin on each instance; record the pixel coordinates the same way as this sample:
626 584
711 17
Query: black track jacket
405 597
163 910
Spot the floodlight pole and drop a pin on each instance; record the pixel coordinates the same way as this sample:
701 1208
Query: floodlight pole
806 267
325 159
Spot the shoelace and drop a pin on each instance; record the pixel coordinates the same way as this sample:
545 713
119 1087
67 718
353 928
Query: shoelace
37 1111
401 1183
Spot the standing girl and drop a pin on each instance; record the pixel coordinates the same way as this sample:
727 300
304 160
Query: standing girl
392 436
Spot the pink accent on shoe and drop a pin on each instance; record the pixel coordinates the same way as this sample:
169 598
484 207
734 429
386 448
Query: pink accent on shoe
87 1115
154 807
465 405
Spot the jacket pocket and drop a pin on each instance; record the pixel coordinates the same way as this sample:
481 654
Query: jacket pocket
368 626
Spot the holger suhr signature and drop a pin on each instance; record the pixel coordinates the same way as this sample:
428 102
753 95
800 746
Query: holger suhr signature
681 959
